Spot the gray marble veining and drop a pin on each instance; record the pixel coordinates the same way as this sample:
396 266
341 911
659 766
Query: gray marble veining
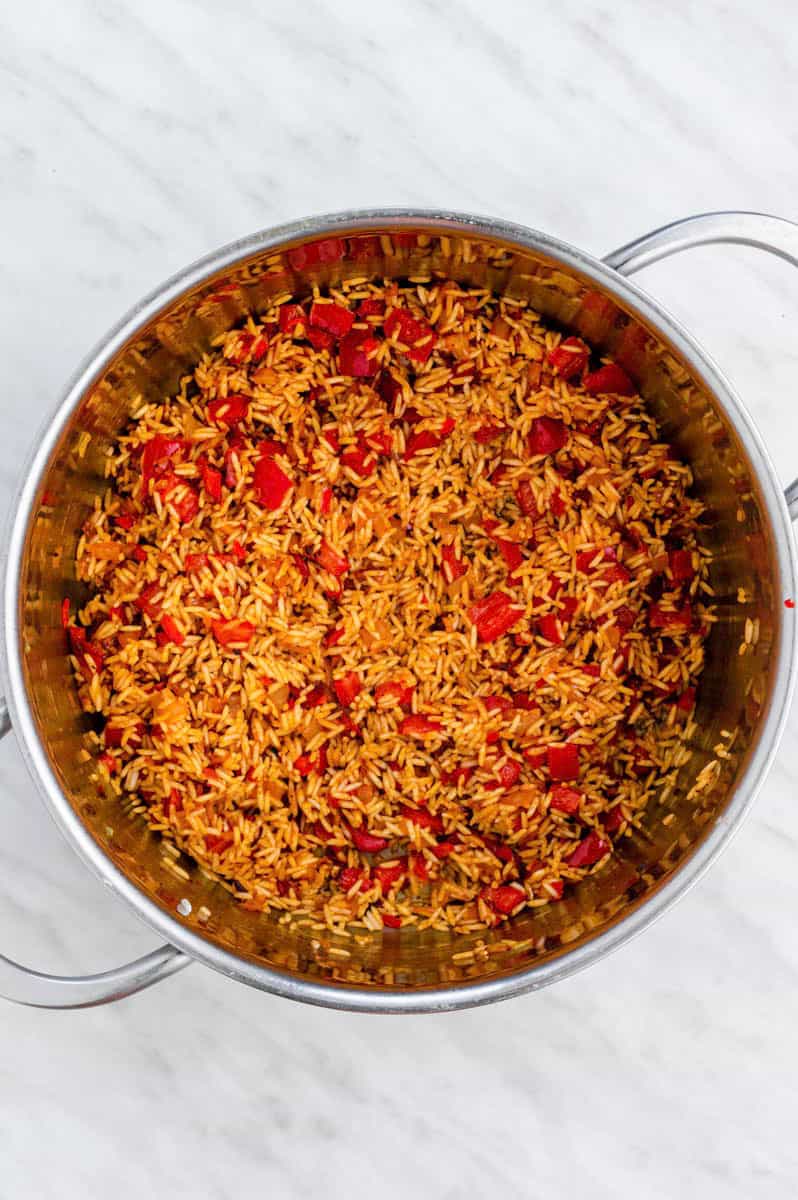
133 137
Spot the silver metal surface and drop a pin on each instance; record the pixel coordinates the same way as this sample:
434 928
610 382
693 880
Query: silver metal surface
750 533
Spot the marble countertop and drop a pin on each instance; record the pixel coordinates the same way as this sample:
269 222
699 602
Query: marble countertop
134 137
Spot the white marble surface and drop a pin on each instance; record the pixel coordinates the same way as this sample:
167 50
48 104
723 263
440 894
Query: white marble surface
133 137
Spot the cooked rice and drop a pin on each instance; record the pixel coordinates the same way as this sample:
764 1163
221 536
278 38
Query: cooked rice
217 742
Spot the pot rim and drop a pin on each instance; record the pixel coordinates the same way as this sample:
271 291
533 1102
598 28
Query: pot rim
364 998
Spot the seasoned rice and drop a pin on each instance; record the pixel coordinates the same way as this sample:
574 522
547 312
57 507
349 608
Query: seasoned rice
396 622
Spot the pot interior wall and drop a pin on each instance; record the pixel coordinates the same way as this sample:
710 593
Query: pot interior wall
732 694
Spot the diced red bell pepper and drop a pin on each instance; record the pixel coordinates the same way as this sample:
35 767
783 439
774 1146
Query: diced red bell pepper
457 776
676 619
124 520
271 483
172 630
367 843
526 499
248 348
680 564
195 562
270 448
564 799
144 601
305 765
233 632
319 339
65 604
686 701
535 756
108 761
557 505
371 307
316 696
592 669
418 725
587 559
494 616
422 818
113 735
395 692
333 637
291 318
486 433
301 566
525 701
360 459
232 460
347 687
547 435
549 627
453 567
334 318
563 761
613 819
504 899
352 877
211 478
238 552
509 773
609 378
444 849
413 332
388 388
418 867
356 354
389 875
380 441
589 851
326 250
331 560
218 843
569 358
427 439
228 410
332 439
510 552
156 456
615 573
497 703
391 921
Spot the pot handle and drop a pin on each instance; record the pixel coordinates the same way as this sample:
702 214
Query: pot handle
773 234
24 986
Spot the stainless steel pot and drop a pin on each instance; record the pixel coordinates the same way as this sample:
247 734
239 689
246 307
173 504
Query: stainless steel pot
743 698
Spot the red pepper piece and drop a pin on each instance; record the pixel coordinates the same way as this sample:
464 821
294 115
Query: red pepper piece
334 636
418 867
347 687
549 627
486 433
609 378
249 348
526 499
316 696
422 818
144 601
504 899
233 632
195 562
547 435
592 669
564 799
391 921
231 459
108 761
124 520
356 354
319 339
563 761
686 701
535 756
372 307
238 552
381 441
524 701
497 703
388 388
326 250
172 630
677 619
269 448
494 616
331 560
418 725
613 819
271 483
389 875
510 552
557 505
589 851
301 566
615 573
413 332
457 776
360 459
352 877
218 843
336 319
291 318
304 765
680 564
395 692
156 456
332 439
229 410
453 567
569 358
427 439
65 604
509 773
211 478
367 842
